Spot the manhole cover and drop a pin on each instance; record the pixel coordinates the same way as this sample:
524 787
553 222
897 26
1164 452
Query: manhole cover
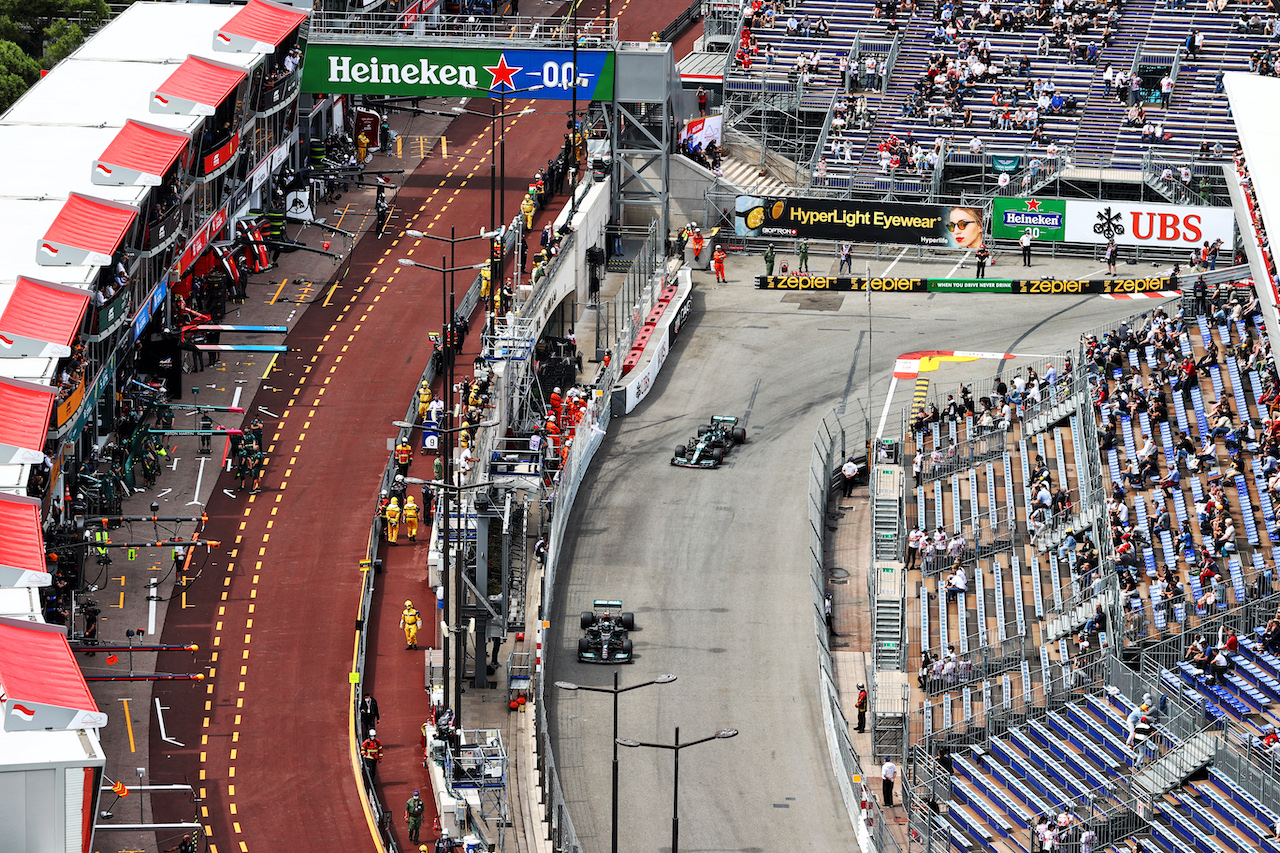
839 573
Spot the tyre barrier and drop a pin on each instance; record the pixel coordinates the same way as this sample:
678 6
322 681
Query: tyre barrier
636 353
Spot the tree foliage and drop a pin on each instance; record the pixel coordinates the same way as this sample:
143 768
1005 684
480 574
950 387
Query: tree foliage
35 33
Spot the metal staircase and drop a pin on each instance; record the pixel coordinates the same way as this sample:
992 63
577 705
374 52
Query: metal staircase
1177 765
886 511
519 565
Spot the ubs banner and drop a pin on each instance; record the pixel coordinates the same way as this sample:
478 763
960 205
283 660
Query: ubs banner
1078 221
859 221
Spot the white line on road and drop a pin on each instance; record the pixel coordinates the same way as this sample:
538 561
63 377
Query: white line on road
152 598
174 466
888 401
889 268
164 492
959 263
235 399
199 479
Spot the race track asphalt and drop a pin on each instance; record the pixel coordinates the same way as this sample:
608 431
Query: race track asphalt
713 562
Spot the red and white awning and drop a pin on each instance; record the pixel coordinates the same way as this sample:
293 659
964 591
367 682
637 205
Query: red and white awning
21 542
41 319
86 232
41 686
24 419
260 27
140 155
197 87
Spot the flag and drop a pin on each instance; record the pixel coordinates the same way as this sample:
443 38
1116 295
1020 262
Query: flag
23 712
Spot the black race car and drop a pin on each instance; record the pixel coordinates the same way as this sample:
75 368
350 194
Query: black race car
606 640
707 448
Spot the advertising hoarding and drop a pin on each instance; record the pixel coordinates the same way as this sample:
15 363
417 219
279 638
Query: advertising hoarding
859 221
404 70
1056 220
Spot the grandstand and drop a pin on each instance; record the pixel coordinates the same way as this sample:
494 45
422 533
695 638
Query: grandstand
1028 699
826 115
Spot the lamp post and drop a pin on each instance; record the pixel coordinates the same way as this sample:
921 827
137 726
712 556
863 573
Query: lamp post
675 783
615 690
446 457
495 258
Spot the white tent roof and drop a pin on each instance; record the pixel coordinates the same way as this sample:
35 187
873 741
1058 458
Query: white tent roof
163 32
1253 105
97 94
26 221
56 161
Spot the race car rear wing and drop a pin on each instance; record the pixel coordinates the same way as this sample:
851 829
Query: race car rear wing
604 603
724 419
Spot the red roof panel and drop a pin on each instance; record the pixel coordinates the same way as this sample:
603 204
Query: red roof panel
262 21
144 148
21 542
37 665
24 414
45 311
202 81
91 224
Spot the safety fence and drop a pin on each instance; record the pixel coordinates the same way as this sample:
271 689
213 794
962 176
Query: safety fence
681 22
557 508
830 445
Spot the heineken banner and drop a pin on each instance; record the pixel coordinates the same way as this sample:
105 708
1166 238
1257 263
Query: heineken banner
1047 287
859 221
400 71
1043 217
1058 220
834 283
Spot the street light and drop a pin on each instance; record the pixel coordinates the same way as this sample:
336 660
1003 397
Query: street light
446 453
615 690
675 784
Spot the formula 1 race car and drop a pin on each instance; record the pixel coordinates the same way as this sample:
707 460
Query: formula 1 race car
707 449
606 640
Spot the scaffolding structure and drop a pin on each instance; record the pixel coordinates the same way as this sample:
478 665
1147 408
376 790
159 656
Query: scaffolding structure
475 773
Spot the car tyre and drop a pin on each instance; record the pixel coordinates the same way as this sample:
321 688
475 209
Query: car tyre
739 435
681 451
626 647
717 454
587 619
628 621
703 429
584 647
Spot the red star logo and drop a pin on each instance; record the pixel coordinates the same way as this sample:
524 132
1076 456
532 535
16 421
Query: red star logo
503 73
1033 204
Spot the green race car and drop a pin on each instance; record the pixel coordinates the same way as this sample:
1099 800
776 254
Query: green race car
707 448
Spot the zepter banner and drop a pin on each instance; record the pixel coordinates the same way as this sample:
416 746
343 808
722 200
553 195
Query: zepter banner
860 221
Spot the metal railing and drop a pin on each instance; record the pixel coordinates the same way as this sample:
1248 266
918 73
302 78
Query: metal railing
964 454
329 25
692 12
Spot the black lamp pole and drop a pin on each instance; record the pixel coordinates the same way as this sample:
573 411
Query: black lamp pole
567 685
675 785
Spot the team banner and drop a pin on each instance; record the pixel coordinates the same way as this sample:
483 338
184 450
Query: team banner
1047 286
859 221
1129 224
404 70
702 131
839 284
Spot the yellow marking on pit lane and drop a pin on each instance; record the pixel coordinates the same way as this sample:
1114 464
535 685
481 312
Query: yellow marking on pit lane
128 719
279 289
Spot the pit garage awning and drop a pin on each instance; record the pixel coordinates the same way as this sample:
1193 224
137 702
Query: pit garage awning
21 542
140 155
41 319
86 232
41 685
196 88
260 27
24 419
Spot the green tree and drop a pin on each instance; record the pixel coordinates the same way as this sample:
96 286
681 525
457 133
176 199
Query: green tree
60 39
25 21
17 72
